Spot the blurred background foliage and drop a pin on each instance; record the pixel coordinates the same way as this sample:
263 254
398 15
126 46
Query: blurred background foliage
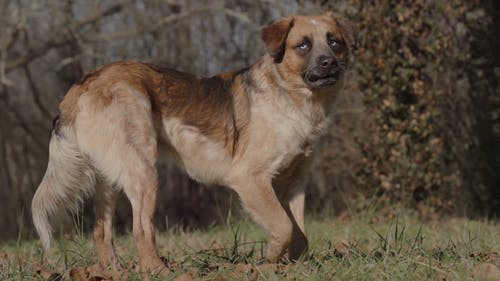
428 76
416 129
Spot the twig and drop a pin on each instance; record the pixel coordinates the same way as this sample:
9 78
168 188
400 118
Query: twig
36 93
110 36
62 38
108 11
34 136
242 17
3 75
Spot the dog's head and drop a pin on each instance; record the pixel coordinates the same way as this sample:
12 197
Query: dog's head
312 50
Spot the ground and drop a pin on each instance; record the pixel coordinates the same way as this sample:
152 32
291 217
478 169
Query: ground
340 249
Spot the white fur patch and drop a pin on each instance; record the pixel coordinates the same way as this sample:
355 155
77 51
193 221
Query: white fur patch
203 159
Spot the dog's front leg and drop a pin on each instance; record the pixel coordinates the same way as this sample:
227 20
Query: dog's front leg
290 188
295 207
259 199
292 197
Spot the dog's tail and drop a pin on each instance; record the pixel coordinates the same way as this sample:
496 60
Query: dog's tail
68 178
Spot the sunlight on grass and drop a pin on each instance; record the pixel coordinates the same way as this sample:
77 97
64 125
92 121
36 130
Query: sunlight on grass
399 249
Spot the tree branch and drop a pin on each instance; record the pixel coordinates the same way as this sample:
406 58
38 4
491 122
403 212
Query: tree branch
62 38
110 36
36 93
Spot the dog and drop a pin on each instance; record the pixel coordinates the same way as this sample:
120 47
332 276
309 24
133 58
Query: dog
252 130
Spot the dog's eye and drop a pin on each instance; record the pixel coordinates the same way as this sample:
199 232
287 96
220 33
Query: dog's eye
334 43
304 46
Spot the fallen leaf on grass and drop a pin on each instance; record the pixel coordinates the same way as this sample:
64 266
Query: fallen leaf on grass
486 271
251 272
442 276
94 272
210 266
216 248
184 277
171 265
11 258
3 263
490 257
45 273
249 268
433 264
341 248
78 274
266 267
344 217
244 268
425 260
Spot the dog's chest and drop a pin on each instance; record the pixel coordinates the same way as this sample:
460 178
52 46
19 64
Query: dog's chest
278 133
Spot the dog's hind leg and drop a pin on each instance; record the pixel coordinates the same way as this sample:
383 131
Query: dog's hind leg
105 201
121 142
142 192
138 177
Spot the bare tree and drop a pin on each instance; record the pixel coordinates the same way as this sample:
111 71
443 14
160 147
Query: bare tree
45 46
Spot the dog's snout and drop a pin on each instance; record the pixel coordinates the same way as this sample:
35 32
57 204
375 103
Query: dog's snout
326 61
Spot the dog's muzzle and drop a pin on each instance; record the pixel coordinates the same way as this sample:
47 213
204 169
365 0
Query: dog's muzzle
325 73
321 79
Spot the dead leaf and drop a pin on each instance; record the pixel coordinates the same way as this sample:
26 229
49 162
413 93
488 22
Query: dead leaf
341 248
216 248
78 274
171 265
442 276
267 267
242 268
490 257
184 277
45 273
94 272
97 272
344 217
486 271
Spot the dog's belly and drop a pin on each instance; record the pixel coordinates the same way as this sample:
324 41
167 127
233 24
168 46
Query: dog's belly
209 162
204 160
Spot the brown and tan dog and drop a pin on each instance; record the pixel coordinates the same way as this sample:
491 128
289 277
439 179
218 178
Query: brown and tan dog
252 130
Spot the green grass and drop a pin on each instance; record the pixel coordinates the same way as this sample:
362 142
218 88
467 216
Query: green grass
399 249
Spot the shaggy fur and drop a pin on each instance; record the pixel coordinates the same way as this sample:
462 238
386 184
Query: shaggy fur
251 130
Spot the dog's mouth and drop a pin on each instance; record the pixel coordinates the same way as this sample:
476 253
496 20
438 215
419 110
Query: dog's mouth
321 80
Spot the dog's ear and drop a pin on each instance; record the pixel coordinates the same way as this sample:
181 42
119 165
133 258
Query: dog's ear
348 30
274 36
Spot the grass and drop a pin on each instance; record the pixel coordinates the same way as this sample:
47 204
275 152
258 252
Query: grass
398 249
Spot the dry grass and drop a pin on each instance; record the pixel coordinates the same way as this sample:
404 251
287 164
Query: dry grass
354 249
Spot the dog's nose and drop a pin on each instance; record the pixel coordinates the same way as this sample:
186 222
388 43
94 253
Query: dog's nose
326 62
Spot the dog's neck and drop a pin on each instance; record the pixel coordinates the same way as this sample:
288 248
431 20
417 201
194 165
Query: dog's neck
315 105
298 91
